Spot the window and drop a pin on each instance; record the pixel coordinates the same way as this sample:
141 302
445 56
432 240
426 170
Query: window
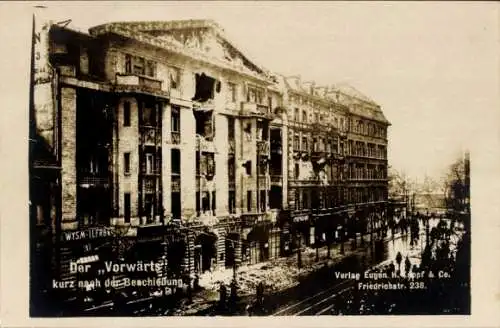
149 163
248 167
304 116
297 199
126 206
149 114
126 163
176 119
230 128
128 64
176 205
305 146
263 200
297 171
249 200
270 102
231 92
139 66
296 142
174 77
126 113
305 199
232 201
296 114
214 206
150 68
176 161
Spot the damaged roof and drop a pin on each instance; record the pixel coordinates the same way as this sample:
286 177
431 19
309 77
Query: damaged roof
201 39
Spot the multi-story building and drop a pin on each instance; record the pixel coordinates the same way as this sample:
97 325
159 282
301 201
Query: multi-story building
168 134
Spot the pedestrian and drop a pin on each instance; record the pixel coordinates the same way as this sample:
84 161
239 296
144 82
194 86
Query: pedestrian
392 267
399 258
223 295
407 265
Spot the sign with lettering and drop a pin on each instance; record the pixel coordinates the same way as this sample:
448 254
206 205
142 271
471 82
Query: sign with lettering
43 82
301 218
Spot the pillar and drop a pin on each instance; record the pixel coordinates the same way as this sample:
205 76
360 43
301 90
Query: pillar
68 158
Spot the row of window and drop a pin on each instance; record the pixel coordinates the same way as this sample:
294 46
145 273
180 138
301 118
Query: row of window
318 144
362 149
318 118
152 162
138 65
367 129
151 115
205 202
305 198
332 172
359 172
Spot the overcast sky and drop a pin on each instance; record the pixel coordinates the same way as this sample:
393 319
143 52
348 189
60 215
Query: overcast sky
431 66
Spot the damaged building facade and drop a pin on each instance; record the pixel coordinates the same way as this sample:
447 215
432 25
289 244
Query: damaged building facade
168 135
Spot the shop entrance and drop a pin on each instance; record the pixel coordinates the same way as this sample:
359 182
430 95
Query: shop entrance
258 244
205 251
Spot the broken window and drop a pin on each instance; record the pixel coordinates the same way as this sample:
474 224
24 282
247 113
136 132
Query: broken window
174 77
205 124
204 87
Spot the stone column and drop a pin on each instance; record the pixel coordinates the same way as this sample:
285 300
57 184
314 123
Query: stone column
188 163
221 159
68 158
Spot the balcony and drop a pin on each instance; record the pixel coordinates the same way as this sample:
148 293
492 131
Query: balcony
263 148
90 180
204 145
249 109
318 154
139 83
305 183
150 135
175 138
207 106
276 180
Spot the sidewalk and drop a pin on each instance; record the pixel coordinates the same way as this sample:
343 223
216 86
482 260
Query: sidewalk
277 274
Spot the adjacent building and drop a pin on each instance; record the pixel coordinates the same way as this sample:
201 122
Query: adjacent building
169 136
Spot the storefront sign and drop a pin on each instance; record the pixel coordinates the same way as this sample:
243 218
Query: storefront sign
91 233
301 218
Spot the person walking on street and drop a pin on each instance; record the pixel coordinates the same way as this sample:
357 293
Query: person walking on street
399 258
407 266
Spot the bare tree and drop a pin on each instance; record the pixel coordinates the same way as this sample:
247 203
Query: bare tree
456 186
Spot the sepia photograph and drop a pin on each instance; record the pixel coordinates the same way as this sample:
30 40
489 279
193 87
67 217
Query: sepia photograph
254 159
